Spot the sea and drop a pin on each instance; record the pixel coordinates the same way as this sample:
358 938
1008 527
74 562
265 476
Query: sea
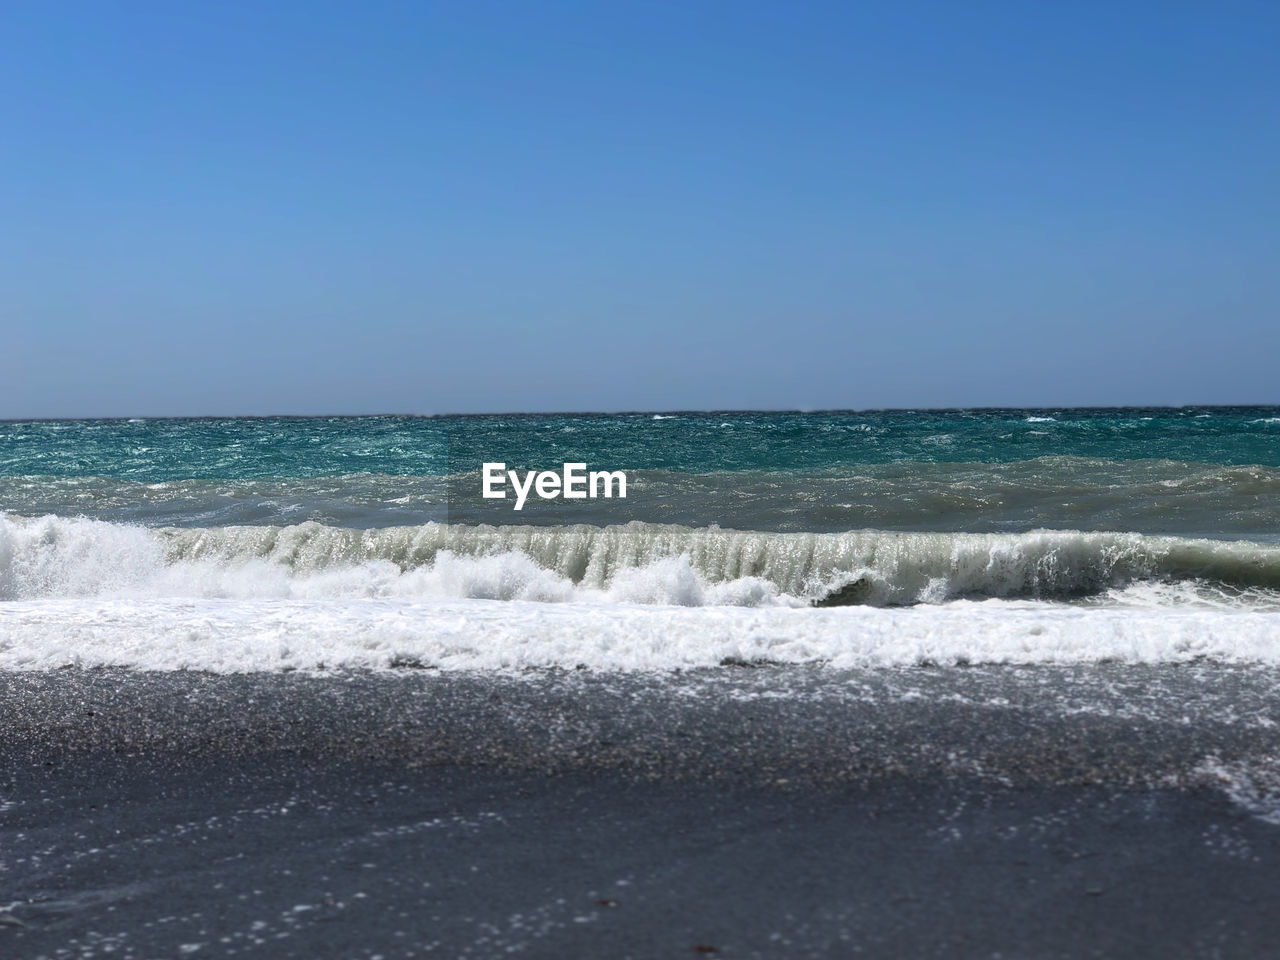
990 682
839 538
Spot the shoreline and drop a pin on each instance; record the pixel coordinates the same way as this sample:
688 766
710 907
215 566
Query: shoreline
757 811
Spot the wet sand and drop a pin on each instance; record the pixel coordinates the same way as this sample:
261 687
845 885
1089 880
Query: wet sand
753 812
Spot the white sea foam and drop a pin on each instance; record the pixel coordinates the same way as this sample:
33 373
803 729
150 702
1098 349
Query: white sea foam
1041 420
1253 785
55 557
267 635
634 597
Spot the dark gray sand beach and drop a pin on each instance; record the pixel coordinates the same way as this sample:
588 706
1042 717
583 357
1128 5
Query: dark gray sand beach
748 811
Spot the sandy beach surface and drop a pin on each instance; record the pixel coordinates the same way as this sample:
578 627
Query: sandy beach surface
1107 810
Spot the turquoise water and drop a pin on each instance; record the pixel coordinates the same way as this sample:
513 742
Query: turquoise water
254 448
351 535
1190 471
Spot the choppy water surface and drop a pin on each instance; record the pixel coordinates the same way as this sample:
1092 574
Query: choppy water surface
837 537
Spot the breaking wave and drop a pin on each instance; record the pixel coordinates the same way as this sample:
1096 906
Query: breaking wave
77 592
54 557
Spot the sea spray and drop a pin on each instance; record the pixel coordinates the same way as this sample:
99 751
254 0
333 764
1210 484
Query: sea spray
64 557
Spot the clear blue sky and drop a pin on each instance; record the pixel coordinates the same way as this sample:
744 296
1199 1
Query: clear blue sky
427 207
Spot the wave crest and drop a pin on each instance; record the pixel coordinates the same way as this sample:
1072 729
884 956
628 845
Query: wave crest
632 563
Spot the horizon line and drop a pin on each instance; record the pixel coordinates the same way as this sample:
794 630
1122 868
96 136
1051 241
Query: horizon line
718 411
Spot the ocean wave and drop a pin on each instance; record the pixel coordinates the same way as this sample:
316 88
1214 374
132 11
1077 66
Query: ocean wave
56 557
637 597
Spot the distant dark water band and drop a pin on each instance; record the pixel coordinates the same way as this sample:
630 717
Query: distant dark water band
1150 496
